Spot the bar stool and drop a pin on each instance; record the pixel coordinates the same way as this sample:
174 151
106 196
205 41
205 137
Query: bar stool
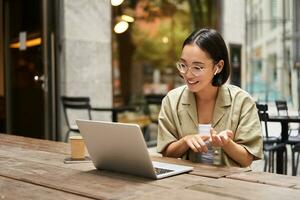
75 103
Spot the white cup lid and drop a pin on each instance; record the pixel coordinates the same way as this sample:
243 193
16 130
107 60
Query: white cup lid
76 137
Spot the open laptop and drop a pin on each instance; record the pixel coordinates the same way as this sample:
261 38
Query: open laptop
122 148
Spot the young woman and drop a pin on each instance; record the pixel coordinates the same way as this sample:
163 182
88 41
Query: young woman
235 137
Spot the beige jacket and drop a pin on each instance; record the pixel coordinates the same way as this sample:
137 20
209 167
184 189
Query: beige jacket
234 110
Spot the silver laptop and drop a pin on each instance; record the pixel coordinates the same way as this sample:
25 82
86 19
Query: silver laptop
122 148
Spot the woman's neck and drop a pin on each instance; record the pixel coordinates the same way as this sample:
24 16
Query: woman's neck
207 94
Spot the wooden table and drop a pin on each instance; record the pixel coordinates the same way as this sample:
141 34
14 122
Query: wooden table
34 169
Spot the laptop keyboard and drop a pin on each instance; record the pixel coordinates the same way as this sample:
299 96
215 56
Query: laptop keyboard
161 170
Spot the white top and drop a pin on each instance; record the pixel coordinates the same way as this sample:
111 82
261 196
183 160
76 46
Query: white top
204 129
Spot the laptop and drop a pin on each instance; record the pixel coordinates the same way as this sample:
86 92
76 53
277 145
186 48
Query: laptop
121 147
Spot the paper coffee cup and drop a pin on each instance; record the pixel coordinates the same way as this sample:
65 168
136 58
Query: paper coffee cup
77 147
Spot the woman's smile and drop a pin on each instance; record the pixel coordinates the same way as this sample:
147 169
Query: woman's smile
192 82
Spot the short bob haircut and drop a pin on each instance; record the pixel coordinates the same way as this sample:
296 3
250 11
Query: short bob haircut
211 42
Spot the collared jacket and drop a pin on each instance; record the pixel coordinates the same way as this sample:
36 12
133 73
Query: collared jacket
234 110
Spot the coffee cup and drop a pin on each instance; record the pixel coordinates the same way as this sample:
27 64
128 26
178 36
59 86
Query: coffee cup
77 147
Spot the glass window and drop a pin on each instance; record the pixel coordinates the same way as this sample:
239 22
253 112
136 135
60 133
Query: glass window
146 47
273 13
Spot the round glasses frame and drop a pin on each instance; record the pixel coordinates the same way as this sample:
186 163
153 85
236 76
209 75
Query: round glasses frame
195 70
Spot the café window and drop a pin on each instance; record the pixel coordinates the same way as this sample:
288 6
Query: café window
147 41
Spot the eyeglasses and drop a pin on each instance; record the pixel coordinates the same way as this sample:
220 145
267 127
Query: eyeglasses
196 70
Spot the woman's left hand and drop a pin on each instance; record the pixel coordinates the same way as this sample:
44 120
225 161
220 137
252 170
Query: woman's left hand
220 139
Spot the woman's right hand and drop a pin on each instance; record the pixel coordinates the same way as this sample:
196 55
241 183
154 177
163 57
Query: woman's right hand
196 142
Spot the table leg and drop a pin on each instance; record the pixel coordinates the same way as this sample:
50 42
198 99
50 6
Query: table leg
114 116
280 152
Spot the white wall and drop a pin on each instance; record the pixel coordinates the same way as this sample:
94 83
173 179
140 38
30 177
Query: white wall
85 58
233 28
233 24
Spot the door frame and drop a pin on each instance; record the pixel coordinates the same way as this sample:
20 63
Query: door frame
7 87
2 68
49 48
1 49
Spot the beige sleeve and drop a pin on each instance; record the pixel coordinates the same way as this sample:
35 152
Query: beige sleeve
248 133
167 132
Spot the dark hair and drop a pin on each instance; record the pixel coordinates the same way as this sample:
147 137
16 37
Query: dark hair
210 41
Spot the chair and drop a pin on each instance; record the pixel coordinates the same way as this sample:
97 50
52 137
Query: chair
75 103
295 158
282 108
270 144
153 102
295 139
295 146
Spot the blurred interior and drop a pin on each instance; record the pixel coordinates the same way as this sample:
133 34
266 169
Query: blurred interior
125 55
